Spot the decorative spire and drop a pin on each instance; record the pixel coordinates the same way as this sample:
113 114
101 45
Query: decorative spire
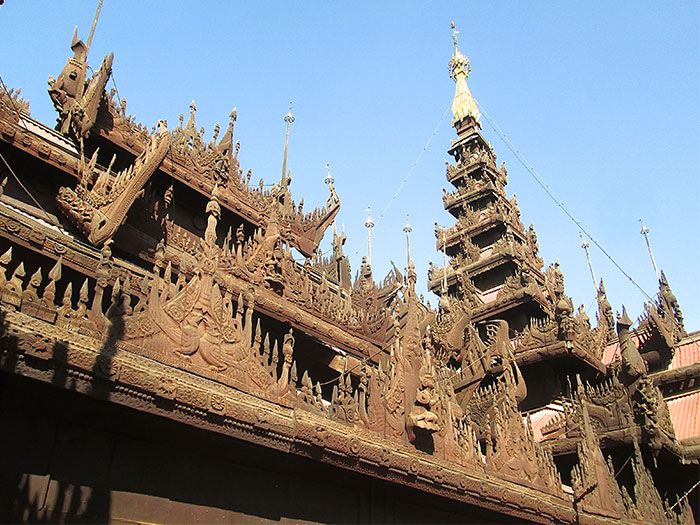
463 104
585 247
369 225
329 180
408 231
288 118
444 264
645 232
214 213
94 23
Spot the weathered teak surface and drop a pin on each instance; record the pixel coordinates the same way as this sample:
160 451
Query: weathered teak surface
180 365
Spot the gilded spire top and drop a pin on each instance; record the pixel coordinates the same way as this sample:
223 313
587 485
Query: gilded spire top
463 104
458 63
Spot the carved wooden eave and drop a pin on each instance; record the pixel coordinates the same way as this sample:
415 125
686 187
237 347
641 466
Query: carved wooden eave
478 267
40 351
20 130
469 134
689 374
558 350
121 355
521 297
37 139
564 445
18 228
466 172
236 195
454 234
100 210
32 233
456 203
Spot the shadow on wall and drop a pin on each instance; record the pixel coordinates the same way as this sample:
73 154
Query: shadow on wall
68 458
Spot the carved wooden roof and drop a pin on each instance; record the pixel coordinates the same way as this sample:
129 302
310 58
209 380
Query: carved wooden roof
225 331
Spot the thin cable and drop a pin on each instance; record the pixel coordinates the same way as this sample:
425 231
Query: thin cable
684 496
415 163
554 196
50 219
116 89
619 471
9 97
21 121
413 167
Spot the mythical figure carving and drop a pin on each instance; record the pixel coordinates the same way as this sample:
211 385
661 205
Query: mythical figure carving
422 417
606 322
76 99
98 207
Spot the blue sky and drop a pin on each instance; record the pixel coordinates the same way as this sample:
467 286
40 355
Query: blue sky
602 98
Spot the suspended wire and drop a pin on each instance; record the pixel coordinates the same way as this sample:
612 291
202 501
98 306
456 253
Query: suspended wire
14 175
116 89
393 198
554 196
684 496
50 219
619 471
413 167
410 171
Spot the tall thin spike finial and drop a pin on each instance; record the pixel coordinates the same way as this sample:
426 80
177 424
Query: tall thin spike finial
94 23
645 232
369 224
408 231
454 33
444 264
329 180
288 118
585 247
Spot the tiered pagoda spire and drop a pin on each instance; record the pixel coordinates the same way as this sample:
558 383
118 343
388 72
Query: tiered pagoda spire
492 258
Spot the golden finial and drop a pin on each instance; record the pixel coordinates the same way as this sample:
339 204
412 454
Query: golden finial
463 104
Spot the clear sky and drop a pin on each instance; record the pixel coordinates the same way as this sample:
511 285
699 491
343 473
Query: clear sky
602 98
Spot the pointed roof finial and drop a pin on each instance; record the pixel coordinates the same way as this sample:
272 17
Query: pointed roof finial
585 247
463 104
645 232
94 23
369 224
288 118
408 231
329 180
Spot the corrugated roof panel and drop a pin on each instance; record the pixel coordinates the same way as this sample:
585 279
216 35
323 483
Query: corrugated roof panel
611 352
685 414
686 354
540 419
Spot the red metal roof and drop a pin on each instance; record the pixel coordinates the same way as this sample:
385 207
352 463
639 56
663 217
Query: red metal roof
612 351
540 418
685 414
686 354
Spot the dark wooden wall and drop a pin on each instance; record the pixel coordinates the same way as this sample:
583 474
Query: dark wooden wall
65 457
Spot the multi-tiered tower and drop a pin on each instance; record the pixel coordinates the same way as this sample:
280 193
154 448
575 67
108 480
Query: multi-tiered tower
493 260
493 270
